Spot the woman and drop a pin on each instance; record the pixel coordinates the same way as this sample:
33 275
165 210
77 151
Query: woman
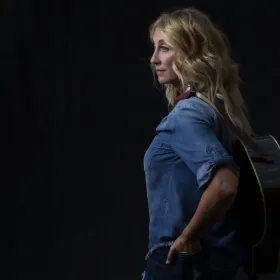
190 174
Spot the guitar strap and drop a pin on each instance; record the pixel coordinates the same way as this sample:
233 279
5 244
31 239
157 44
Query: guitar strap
237 131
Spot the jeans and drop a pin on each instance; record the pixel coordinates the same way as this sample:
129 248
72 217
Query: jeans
184 267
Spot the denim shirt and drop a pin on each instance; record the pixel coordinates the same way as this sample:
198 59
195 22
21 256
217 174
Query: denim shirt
191 142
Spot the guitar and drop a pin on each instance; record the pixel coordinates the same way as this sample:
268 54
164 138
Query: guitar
258 196
258 200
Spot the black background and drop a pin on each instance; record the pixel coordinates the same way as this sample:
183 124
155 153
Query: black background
82 109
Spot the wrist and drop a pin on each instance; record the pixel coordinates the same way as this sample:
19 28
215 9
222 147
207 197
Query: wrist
188 236
191 244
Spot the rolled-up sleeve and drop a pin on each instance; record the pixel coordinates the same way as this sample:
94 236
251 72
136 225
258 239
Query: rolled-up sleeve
195 141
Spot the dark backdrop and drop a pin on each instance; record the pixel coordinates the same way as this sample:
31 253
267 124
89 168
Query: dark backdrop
82 109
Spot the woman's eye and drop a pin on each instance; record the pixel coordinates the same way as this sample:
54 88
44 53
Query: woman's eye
164 48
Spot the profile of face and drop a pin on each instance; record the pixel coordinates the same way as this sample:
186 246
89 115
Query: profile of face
162 59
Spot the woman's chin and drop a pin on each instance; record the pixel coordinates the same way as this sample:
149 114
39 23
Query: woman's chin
163 81
166 81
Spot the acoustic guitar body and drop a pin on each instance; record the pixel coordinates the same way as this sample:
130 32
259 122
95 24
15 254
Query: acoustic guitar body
258 204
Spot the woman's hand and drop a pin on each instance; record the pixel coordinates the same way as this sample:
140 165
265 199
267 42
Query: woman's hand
182 245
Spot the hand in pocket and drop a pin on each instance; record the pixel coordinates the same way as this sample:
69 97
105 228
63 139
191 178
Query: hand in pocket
182 245
192 247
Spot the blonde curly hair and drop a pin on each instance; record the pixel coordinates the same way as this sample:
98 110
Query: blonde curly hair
202 61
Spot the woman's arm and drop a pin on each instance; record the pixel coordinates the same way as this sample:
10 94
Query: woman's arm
194 139
216 200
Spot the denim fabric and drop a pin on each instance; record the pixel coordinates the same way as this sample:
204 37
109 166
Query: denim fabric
190 143
184 267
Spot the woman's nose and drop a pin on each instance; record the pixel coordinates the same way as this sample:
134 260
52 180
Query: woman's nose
154 58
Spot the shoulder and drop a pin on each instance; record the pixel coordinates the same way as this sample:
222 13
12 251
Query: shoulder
194 109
